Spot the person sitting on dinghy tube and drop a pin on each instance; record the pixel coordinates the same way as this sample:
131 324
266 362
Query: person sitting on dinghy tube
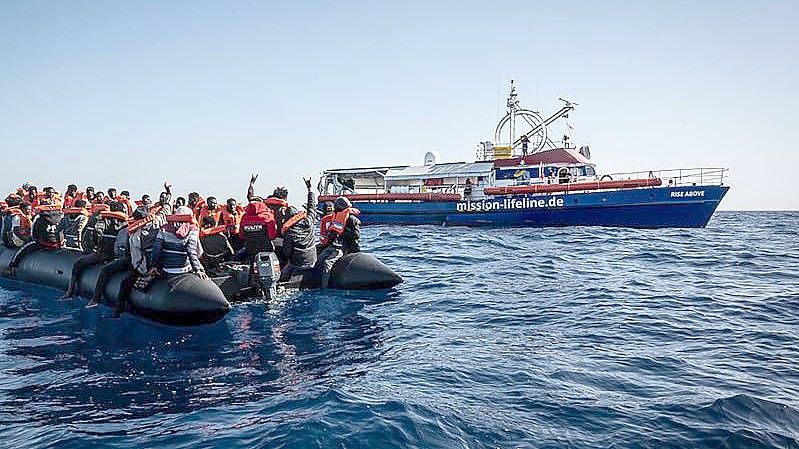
104 232
75 218
343 236
299 245
46 233
216 246
177 247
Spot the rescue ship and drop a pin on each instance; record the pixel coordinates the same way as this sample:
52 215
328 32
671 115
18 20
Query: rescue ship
525 178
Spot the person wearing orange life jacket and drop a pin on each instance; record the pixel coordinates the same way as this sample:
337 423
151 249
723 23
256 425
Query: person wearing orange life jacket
231 216
115 235
324 225
143 230
23 190
212 210
110 220
71 195
99 198
343 237
50 197
196 203
17 220
124 198
88 237
299 245
46 233
111 196
73 223
215 244
88 196
32 197
177 249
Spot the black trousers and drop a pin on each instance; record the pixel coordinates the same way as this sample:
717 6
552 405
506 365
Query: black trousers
108 270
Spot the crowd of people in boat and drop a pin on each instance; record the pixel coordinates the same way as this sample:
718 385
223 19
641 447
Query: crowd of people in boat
173 237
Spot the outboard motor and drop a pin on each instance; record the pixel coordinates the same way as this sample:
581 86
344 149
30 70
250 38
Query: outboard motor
267 266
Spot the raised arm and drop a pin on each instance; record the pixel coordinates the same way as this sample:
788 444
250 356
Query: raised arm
251 187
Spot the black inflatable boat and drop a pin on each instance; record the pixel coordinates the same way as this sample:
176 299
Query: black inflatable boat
187 299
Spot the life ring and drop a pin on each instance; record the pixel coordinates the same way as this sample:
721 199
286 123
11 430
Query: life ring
606 176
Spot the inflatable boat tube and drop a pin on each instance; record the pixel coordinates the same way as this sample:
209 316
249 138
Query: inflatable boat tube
183 300
357 271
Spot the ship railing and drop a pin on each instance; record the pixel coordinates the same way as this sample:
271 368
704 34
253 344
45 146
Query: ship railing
702 176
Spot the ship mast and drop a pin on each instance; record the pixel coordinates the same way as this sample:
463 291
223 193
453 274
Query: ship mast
537 138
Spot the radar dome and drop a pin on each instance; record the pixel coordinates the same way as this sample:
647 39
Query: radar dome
431 158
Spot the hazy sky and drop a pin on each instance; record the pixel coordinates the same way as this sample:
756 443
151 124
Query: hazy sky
203 93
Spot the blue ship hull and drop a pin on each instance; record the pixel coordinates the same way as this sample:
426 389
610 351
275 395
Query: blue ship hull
658 207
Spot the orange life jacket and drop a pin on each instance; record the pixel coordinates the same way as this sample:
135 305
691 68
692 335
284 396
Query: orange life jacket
175 218
205 232
77 210
135 225
293 220
232 220
272 201
127 204
216 214
99 207
69 201
24 221
46 208
114 214
198 207
339 220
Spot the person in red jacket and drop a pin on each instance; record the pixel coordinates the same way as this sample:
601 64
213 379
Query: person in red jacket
258 228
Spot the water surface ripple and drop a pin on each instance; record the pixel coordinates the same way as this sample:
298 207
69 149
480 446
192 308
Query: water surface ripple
559 337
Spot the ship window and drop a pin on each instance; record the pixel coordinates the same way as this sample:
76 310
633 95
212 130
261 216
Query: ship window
589 171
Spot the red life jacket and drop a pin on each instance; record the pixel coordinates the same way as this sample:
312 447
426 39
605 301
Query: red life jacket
258 228
324 229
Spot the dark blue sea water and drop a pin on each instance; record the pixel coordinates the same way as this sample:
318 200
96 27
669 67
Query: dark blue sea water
500 338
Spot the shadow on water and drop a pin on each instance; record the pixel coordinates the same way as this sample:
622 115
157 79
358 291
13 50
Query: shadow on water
73 365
